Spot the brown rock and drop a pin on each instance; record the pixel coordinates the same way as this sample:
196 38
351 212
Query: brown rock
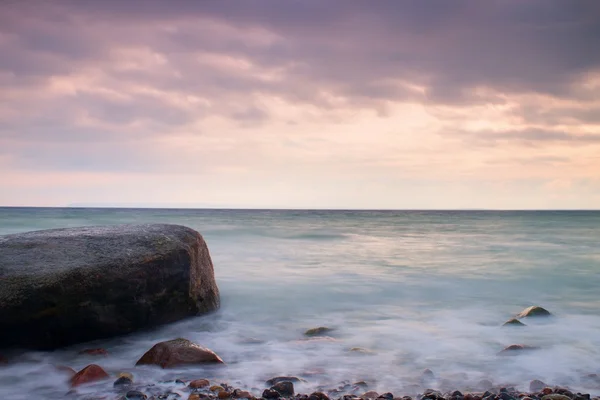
547 390
284 388
216 388
199 383
534 311
514 349
321 330
370 395
94 352
91 373
513 322
223 394
178 352
242 394
556 396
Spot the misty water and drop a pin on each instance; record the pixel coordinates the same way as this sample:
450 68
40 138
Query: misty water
415 290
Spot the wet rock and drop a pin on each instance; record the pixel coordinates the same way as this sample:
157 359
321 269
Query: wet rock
362 384
514 349
534 311
319 331
536 385
199 383
216 388
370 395
547 390
66 286
122 381
513 322
271 394
386 396
94 352
178 352
318 396
135 395
242 394
223 394
277 379
285 388
91 373
555 396
360 350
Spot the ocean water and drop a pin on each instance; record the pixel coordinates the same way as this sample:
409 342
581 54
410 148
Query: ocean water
414 289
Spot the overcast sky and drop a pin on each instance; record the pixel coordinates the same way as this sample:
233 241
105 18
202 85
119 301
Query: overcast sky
300 104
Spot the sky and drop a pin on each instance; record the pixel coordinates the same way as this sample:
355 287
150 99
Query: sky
300 104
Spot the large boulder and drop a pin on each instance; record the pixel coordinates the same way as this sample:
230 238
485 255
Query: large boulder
65 286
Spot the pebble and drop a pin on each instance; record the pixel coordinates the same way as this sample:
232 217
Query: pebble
284 388
123 381
216 388
199 383
271 394
135 395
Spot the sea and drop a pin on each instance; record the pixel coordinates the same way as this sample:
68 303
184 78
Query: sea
402 291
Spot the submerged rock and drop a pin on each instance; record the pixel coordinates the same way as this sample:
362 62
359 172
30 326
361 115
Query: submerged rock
277 379
536 385
513 322
178 352
534 311
66 286
91 373
319 331
199 383
516 349
285 388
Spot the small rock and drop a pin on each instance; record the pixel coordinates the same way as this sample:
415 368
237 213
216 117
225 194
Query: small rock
94 352
178 352
284 388
513 322
271 394
278 379
318 396
360 384
514 349
123 381
547 391
216 388
91 373
360 350
370 395
135 395
536 385
223 394
534 311
556 396
199 383
321 330
427 374
386 396
242 394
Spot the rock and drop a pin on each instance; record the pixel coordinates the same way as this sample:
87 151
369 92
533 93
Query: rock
370 395
536 385
386 396
555 397
199 383
284 388
216 388
514 349
223 394
242 394
91 373
361 350
122 381
427 375
66 286
547 390
178 352
320 331
278 379
3 360
318 396
135 395
94 352
534 311
513 322
271 394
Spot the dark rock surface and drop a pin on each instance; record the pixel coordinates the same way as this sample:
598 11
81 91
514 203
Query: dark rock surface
65 286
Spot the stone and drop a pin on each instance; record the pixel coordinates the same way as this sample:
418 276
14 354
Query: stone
65 370
91 373
370 395
534 311
513 322
555 396
514 349
536 385
135 395
360 350
122 381
285 388
319 331
547 390
66 286
177 352
223 394
216 388
199 383
94 352
277 379
318 396
270 394
386 396
242 394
